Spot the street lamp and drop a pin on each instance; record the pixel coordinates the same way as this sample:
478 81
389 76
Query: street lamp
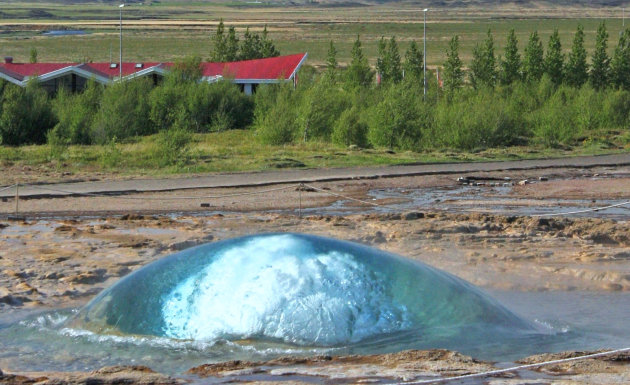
424 56
121 6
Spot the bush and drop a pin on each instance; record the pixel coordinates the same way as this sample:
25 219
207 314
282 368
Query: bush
112 155
275 118
399 119
124 112
75 115
26 116
172 146
555 122
320 108
350 130
476 120
208 106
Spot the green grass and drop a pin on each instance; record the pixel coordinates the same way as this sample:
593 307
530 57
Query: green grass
293 28
238 150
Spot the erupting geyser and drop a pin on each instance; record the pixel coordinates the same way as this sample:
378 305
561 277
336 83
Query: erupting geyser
292 288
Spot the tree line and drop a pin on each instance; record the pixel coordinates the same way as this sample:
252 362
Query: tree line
542 97
573 69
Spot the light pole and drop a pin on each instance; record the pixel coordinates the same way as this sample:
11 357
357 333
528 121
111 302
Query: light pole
424 55
121 6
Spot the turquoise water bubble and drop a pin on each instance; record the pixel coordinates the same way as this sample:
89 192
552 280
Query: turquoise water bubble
296 289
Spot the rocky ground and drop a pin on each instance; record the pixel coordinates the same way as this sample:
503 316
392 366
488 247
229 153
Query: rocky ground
63 260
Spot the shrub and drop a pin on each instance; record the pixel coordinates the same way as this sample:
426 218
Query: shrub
26 116
172 146
75 115
399 119
350 130
476 120
320 108
275 119
112 155
124 112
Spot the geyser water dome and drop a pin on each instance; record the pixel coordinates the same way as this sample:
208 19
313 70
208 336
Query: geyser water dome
293 288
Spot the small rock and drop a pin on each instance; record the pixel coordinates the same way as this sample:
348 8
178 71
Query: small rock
523 182
131 217
53 275
543 178
413 216
64 228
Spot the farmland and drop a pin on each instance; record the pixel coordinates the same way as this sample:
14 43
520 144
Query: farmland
171 30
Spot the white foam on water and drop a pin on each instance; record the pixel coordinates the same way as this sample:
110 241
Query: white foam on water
279 287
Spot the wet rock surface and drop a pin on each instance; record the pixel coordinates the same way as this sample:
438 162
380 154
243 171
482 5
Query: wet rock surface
111 375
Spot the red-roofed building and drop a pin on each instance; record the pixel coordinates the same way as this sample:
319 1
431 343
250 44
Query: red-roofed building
74 76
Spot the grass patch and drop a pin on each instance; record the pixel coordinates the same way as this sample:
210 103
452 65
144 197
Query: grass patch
239 150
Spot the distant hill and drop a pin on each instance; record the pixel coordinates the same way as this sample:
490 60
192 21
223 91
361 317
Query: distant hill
423 3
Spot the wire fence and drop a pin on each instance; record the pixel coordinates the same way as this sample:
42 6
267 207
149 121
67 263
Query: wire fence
497 372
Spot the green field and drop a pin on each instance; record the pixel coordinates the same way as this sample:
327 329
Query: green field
170 30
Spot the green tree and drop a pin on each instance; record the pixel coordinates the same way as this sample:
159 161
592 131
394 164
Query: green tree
251 46
219 44
511 65
187 69
358 72
394 73
124 112
381 61
554 60
331 62
413 63
350 129
398 121
268 49
600 63
388 63
483 69
33 55
75 114
26 116
533 62
319 109
231 46
620 62
577 68
275 115
453 72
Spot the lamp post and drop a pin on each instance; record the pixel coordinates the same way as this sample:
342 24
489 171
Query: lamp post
424 55
121 6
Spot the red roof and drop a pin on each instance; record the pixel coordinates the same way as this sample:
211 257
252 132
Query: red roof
33 69
106 70
281 67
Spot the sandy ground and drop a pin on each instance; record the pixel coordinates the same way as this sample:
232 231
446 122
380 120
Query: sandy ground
68 249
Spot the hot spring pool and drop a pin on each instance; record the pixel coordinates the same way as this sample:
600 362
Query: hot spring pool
262 296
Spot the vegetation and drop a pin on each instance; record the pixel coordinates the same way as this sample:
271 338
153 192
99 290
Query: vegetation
543 99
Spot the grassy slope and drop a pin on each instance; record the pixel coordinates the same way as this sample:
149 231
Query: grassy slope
238 150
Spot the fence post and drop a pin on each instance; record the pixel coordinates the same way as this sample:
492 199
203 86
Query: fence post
17 199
